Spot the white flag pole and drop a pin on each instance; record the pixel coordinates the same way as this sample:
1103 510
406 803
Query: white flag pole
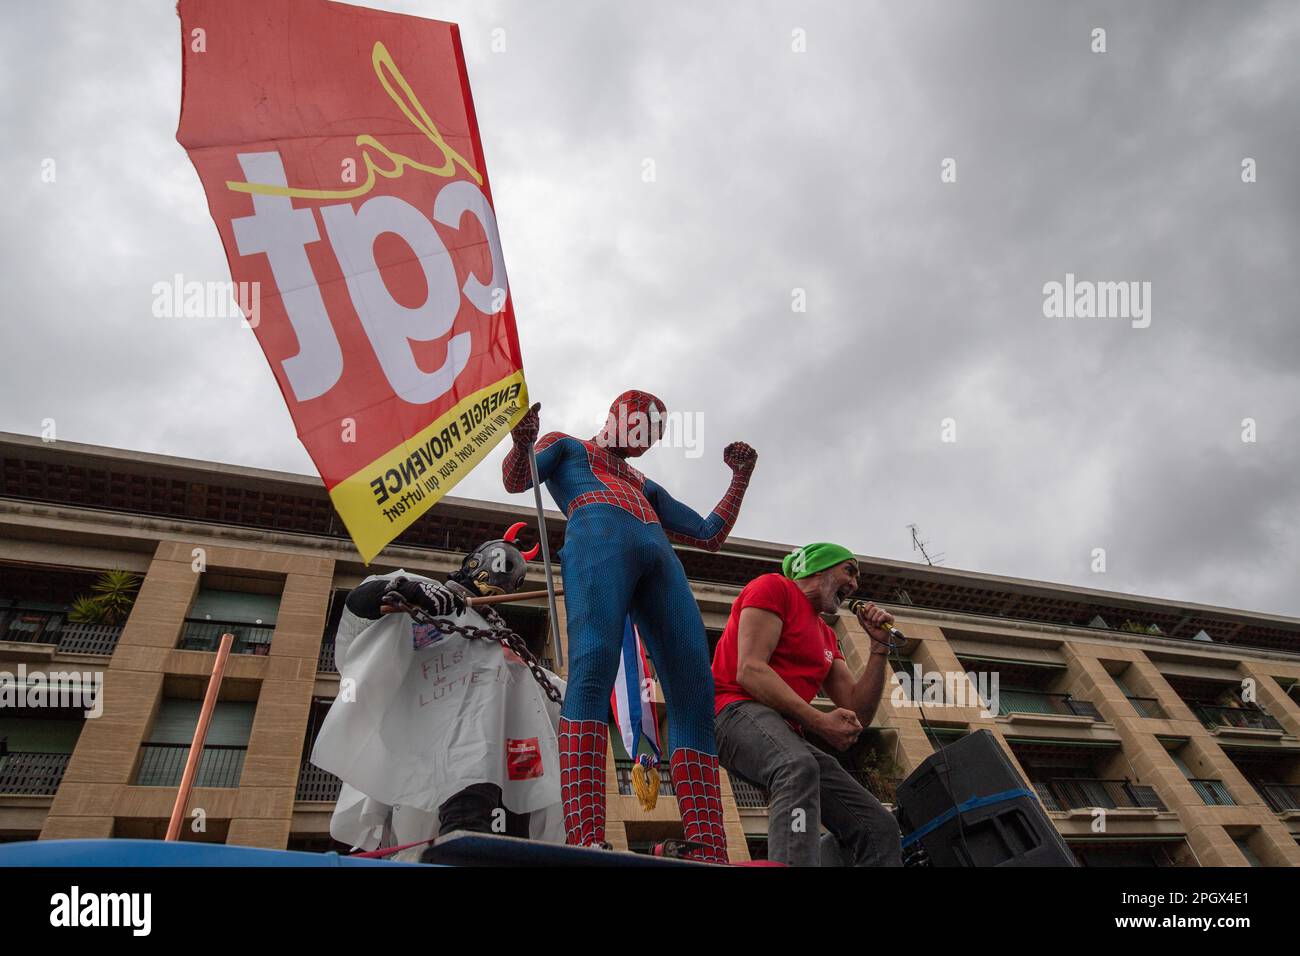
546 559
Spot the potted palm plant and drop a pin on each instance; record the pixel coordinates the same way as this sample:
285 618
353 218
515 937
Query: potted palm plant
109 602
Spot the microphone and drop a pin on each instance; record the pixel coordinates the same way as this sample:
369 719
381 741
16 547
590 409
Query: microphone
898 636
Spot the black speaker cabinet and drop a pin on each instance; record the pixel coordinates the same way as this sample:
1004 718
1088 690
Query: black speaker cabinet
1001 823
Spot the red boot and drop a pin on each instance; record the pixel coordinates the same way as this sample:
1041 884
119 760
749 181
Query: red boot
582 780
699 797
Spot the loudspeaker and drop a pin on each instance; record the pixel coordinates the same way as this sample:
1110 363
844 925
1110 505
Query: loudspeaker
1001 822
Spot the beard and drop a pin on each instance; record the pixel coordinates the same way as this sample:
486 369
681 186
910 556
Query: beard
830 602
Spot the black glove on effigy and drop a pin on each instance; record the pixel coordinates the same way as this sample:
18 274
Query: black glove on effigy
435 598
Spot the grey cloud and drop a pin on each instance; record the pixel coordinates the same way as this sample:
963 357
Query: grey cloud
775 171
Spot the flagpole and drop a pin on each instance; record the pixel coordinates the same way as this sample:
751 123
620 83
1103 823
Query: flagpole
508 598
546 559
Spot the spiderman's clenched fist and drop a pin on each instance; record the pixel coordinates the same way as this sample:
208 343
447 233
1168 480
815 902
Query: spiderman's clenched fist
525 433
740 458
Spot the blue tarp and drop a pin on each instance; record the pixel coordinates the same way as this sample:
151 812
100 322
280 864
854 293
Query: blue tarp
81 853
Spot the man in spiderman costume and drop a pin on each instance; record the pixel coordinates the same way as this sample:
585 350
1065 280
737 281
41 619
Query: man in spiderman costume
618 561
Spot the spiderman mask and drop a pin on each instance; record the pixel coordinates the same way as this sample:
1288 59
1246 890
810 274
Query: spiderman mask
635 423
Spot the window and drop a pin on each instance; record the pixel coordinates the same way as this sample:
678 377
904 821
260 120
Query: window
248 615
1243 844
39 735
162 757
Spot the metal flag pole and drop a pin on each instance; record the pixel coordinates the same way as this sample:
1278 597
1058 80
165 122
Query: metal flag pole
508 598
546 558
200 735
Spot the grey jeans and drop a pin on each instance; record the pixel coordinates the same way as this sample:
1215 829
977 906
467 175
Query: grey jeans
755 742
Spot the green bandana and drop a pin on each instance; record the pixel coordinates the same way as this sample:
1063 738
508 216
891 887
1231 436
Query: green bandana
812 558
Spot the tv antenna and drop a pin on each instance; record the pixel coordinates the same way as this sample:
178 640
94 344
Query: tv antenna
919 545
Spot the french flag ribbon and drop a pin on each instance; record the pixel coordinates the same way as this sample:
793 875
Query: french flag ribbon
636 717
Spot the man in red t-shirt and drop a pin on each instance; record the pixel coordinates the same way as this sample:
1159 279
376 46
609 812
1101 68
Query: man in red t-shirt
774 656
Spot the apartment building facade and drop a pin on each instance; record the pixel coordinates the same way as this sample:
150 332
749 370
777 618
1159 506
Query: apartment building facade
1154 732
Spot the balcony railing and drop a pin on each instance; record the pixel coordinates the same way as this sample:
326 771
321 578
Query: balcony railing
29 626
161 765
53 627
317 784
1281 797
326 664
1213 792
1147 706
1035 702
1076 793
623 771
204 635
89 638
1247 718
748 796
32 774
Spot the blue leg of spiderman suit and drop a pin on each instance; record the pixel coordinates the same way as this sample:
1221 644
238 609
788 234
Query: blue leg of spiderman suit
617 560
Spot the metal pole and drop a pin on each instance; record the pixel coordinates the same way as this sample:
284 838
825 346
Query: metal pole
508 598
200 735
546 559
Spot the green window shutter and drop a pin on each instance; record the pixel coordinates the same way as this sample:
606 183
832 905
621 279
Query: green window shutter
232 721
236 607
29 735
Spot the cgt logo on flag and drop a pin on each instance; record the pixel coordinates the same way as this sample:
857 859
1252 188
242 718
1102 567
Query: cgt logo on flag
386 314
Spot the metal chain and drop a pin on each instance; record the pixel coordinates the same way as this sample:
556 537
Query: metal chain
499 632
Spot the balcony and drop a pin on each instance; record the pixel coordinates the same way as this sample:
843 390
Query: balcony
32 774
1248 718
1078 793
748 796
1212 792
52 627
205 635
1038 703
326 664
623 772
161 765
29 626
89 638
1281 797
317 785
1147 706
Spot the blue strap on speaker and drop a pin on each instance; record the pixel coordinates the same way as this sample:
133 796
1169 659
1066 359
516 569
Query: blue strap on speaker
971 804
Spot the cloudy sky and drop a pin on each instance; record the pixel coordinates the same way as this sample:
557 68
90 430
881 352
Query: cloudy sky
795 147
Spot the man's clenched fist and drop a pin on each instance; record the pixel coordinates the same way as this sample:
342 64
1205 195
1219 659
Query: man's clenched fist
739 457
840 728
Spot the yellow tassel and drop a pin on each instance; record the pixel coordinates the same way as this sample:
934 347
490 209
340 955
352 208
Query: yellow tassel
645 783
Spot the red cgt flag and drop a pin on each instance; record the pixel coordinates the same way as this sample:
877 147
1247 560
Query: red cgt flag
342 164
